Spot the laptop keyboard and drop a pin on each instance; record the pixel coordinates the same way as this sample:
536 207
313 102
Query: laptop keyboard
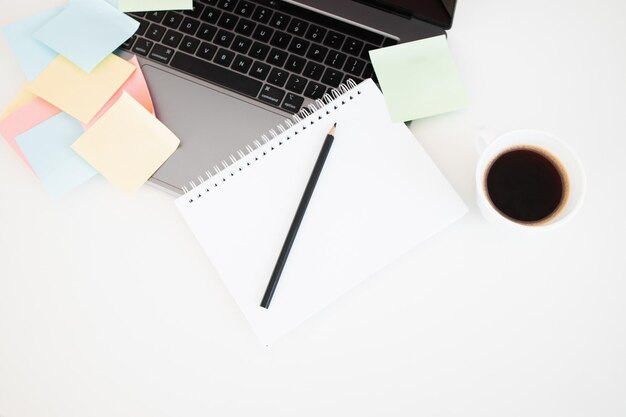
275 52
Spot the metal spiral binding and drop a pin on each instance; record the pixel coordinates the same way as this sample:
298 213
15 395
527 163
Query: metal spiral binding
210 180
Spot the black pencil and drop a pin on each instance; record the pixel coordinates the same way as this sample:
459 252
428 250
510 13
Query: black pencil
295 224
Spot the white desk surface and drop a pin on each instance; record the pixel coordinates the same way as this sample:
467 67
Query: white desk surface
108 306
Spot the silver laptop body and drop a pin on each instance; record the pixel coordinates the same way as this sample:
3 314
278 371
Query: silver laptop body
214 122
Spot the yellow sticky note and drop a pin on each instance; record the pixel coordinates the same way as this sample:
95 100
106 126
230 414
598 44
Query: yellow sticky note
127 144
22 98
78 93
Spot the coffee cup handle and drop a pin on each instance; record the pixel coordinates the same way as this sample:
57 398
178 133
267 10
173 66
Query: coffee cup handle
485 137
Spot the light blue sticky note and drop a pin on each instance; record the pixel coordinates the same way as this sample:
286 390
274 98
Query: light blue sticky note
32 55
87 31
47 148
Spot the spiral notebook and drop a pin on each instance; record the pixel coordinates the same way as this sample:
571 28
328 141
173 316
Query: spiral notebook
378 196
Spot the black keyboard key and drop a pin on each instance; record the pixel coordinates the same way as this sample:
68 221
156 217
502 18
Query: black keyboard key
299 46
365 53
241 44
314 91
334 39
245 27
315 33
227 21
142 46
224 38
298 27
317 53
195 11
352 46
210 2
332 77
313 70
336 59
263 33
292 103
277 57
296 84
216 74
368 72
278 77
353 78
206 51
262 15
162 53
227 4
143 26
189 44
189 26
389 42
295 64
224 57
242 64
155 32
137 14
172 20
172 38
210 15
354 66
280 21
280 40
272 95
260 70
259 51
155 17
128 43
206 32
244 8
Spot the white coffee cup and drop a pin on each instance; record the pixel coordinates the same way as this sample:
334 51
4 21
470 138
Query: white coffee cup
547 144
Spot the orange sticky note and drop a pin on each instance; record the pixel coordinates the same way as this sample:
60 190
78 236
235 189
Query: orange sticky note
24 119
78 93
135 86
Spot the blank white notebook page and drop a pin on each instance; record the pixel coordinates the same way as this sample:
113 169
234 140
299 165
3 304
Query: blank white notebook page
379 195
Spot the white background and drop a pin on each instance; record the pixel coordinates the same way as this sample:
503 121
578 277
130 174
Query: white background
108 307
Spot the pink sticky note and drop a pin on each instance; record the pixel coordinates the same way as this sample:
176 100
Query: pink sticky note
23 119
135 86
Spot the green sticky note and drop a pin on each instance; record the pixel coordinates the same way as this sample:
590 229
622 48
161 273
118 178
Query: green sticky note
153 5
419 79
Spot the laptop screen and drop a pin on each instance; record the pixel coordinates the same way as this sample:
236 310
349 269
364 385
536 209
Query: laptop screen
439 12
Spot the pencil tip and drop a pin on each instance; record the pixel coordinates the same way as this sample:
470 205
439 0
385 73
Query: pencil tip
332 130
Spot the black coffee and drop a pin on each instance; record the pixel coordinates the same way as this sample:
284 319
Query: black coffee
526 185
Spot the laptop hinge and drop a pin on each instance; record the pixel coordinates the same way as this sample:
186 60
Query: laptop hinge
390 9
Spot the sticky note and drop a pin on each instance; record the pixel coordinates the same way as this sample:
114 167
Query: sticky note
32 55
47 147
86 32
419 79
127 144
152 5
79 93
22 98
135 86
23 119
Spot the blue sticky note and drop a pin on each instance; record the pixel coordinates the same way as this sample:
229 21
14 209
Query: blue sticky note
32 55
47 148
87 31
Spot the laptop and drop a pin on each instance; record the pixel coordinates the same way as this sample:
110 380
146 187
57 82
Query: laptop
228 71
